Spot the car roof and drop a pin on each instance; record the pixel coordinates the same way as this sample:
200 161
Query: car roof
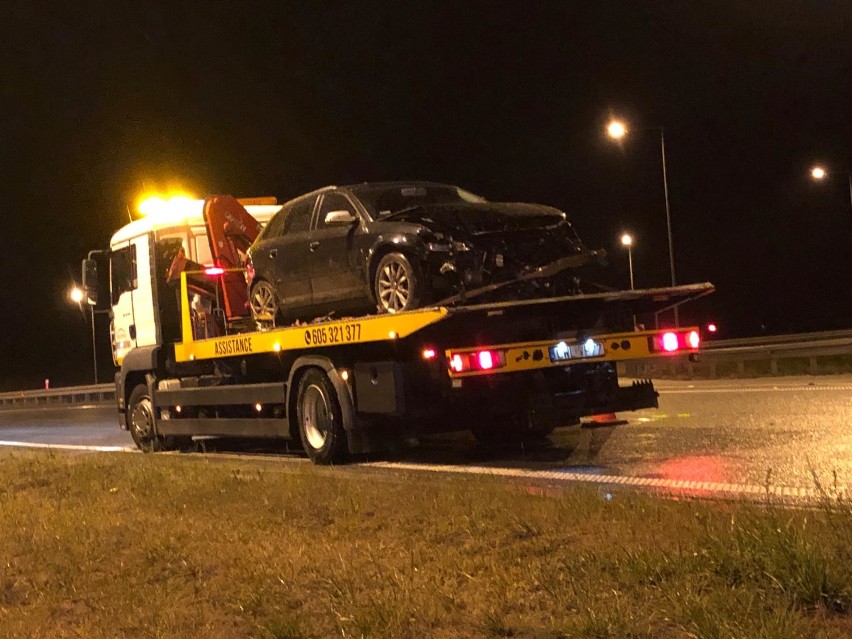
359 185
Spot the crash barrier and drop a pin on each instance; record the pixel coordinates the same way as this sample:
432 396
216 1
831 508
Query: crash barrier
59 397
799 354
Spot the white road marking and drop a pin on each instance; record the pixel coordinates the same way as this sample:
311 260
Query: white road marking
98 449
736 389
694 488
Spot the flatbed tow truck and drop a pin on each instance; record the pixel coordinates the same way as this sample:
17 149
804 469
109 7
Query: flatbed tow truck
349 386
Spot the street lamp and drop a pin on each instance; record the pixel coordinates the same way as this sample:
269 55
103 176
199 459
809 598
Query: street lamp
76 295
617 130
627 241
820 173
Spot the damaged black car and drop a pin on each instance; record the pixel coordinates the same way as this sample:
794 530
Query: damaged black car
397 246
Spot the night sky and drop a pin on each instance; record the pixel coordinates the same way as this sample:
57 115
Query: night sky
101 100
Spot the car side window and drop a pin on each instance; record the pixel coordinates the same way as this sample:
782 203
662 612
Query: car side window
298 216
273 229
333 202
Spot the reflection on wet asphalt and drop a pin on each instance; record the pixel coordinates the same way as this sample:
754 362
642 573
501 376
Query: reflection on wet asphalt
781 431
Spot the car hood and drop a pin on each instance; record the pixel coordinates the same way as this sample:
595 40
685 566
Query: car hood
481 218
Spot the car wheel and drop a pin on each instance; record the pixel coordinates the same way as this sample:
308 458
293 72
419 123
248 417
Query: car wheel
264 305
397 285
140 420
320 419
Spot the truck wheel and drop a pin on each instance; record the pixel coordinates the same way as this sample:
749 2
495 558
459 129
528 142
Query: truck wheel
397 284
140 420
264 305
320 419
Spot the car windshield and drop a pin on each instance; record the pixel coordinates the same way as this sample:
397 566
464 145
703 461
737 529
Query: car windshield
382 200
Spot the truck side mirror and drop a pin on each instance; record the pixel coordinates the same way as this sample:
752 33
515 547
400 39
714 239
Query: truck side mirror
90 280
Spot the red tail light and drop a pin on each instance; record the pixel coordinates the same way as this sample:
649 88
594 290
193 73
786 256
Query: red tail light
693 340
484 360
673 341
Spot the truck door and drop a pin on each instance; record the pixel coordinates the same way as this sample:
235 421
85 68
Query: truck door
133 322
336 277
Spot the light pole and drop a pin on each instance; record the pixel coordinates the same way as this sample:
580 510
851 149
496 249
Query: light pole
627 241
819 173
617 130
76 295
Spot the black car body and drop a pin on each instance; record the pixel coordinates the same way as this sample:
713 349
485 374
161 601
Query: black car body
399 245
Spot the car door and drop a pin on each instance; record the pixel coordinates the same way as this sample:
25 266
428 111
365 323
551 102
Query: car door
282 256
335 265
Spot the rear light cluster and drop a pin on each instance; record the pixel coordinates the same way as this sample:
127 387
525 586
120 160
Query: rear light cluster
671 341
484 360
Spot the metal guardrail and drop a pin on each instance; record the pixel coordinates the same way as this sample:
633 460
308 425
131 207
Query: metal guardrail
804 353
59 397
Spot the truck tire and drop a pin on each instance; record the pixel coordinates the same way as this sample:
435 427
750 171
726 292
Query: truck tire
397 285
140 420
320 419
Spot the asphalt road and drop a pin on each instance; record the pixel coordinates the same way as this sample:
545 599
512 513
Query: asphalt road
780 431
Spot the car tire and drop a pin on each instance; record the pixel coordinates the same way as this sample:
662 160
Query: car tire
140 420
397 284
263 302
320 419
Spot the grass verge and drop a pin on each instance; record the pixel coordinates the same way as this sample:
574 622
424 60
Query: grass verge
166 546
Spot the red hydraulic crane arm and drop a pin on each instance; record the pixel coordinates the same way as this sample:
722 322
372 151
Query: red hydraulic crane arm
231 230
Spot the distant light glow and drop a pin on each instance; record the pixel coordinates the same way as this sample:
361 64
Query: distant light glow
258 407
669 342
616 129
76 295
344 375
712 328
627 240
818 173
429 353
214 271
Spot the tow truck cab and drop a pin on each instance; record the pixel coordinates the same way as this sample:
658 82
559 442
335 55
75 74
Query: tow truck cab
143 306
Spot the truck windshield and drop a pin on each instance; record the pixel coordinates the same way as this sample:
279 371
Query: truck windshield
381 200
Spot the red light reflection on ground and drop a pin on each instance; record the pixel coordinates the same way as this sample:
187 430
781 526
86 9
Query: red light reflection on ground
701 468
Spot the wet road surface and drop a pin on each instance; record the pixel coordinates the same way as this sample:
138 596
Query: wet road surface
780 431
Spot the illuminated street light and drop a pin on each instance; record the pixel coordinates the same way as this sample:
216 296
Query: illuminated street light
616 130
819 173
627 241
76 295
